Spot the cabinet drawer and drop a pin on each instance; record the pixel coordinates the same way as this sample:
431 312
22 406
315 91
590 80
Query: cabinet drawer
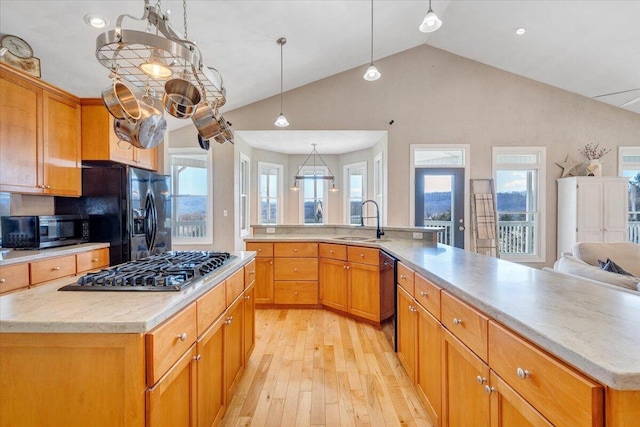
296 269
234 286
249 273
297 249
209 306
92 259
467 324
264 250
169 341
428 295
406 278
54 268
562 395
363 255
13 277
329 250
298 292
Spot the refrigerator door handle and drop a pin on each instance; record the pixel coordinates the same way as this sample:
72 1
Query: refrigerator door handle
151 218
154 221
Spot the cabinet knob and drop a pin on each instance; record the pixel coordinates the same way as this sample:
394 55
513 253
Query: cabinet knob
423 294
252 272
403 277
56 268
361 255
412 309
3 280
259 249
489 389
481 380
330 251
197 358
229 320
270 262
182 336
295 269
247 297
295 249
457 321
47 186
348 267
523 374
94 260
295 293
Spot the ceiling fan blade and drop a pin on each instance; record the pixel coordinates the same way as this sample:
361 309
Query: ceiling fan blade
633 101
616 93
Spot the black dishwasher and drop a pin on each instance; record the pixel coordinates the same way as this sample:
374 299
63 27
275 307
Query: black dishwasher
388 294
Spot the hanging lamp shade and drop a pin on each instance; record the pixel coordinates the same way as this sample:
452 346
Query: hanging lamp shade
314 155
155 66
431 21
372 73
281 120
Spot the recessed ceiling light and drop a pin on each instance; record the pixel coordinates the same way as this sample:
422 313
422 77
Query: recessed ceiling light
521 30
95 21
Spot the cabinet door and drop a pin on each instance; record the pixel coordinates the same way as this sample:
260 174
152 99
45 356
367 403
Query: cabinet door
145 158
429 363
465 403
406 312
20 135
62 175
172 401
249 322
364 291
333 283
509 409
264 281
14 277
233 344
210 349
615 214
590 215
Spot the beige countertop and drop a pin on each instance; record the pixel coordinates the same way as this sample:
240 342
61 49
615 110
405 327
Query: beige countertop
44 309
12 256
593 328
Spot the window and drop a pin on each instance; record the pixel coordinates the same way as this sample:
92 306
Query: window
314 196
355 178
244 195
192 220
629 166
379 187
270 186
519 176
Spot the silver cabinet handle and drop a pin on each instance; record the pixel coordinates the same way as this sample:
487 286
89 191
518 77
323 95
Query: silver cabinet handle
56 268
481 380
247 297
182 336
523 374
229 320
47 187
252 272
423 294
94 260
403 277
197 358
412 309
489 389
457 321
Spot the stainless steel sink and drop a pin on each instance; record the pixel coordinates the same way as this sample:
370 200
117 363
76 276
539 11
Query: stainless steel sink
354 238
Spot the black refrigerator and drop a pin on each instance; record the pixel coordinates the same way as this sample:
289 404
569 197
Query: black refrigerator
128 207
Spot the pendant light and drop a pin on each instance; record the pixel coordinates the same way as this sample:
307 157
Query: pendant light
372 72
431 21
281 121
329 177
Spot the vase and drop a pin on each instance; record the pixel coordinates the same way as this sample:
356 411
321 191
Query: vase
595 168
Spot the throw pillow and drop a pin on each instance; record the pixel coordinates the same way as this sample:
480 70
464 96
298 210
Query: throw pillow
612 267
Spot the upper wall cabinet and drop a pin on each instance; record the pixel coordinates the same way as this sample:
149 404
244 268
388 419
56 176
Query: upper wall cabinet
39 137
100 143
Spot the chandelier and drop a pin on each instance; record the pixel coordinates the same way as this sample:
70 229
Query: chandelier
165 65
330 177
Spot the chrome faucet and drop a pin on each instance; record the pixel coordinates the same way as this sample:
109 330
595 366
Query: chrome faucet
379 231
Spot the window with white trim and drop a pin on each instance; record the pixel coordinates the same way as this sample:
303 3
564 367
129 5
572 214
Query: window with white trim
191 196
314 197
355 179
629 166
270 189
244 194
519 175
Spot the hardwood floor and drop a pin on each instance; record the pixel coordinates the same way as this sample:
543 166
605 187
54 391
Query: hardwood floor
319 368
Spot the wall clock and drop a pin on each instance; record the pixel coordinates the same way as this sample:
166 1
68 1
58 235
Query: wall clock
19 54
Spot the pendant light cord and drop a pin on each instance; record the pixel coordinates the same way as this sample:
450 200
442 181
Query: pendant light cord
281 75
372 32
184 9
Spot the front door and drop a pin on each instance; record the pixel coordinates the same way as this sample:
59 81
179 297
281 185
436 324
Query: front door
440 202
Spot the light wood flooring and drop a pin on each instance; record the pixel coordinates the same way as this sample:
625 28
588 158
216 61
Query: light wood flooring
316 367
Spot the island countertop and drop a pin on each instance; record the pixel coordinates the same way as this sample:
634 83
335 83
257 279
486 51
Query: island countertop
44 309
592 327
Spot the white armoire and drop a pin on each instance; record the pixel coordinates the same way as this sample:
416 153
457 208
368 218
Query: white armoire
592 209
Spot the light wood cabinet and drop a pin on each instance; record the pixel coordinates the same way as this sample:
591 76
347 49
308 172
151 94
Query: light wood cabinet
264 287
296 292
92 260
249 317
466 323
407 332
592 210
172 401
52 268
14 277
233 347
40 147
364 291
406 278
333 283
509 409
234 285
428 363
210 364
100 143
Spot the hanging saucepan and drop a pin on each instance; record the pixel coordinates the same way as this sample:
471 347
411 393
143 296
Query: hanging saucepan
181 98
206 121
121 102
225 133
148 132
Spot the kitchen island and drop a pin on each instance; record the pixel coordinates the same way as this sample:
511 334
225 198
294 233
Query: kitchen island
125 358
588 327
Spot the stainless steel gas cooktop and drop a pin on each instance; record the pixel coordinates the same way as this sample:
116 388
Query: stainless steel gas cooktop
171 271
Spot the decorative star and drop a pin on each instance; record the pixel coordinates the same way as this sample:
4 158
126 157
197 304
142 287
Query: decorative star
568 166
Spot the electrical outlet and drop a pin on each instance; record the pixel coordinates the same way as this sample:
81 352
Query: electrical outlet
271 230
417 235
225 213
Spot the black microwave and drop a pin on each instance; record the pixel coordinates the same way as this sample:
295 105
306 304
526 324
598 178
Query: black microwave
37 232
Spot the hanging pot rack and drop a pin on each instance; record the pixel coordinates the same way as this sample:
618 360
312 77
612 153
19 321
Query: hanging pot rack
122 51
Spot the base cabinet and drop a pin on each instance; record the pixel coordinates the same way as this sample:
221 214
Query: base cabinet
407 323
509 409
333 283
428 363
210 361
233 346
249 322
